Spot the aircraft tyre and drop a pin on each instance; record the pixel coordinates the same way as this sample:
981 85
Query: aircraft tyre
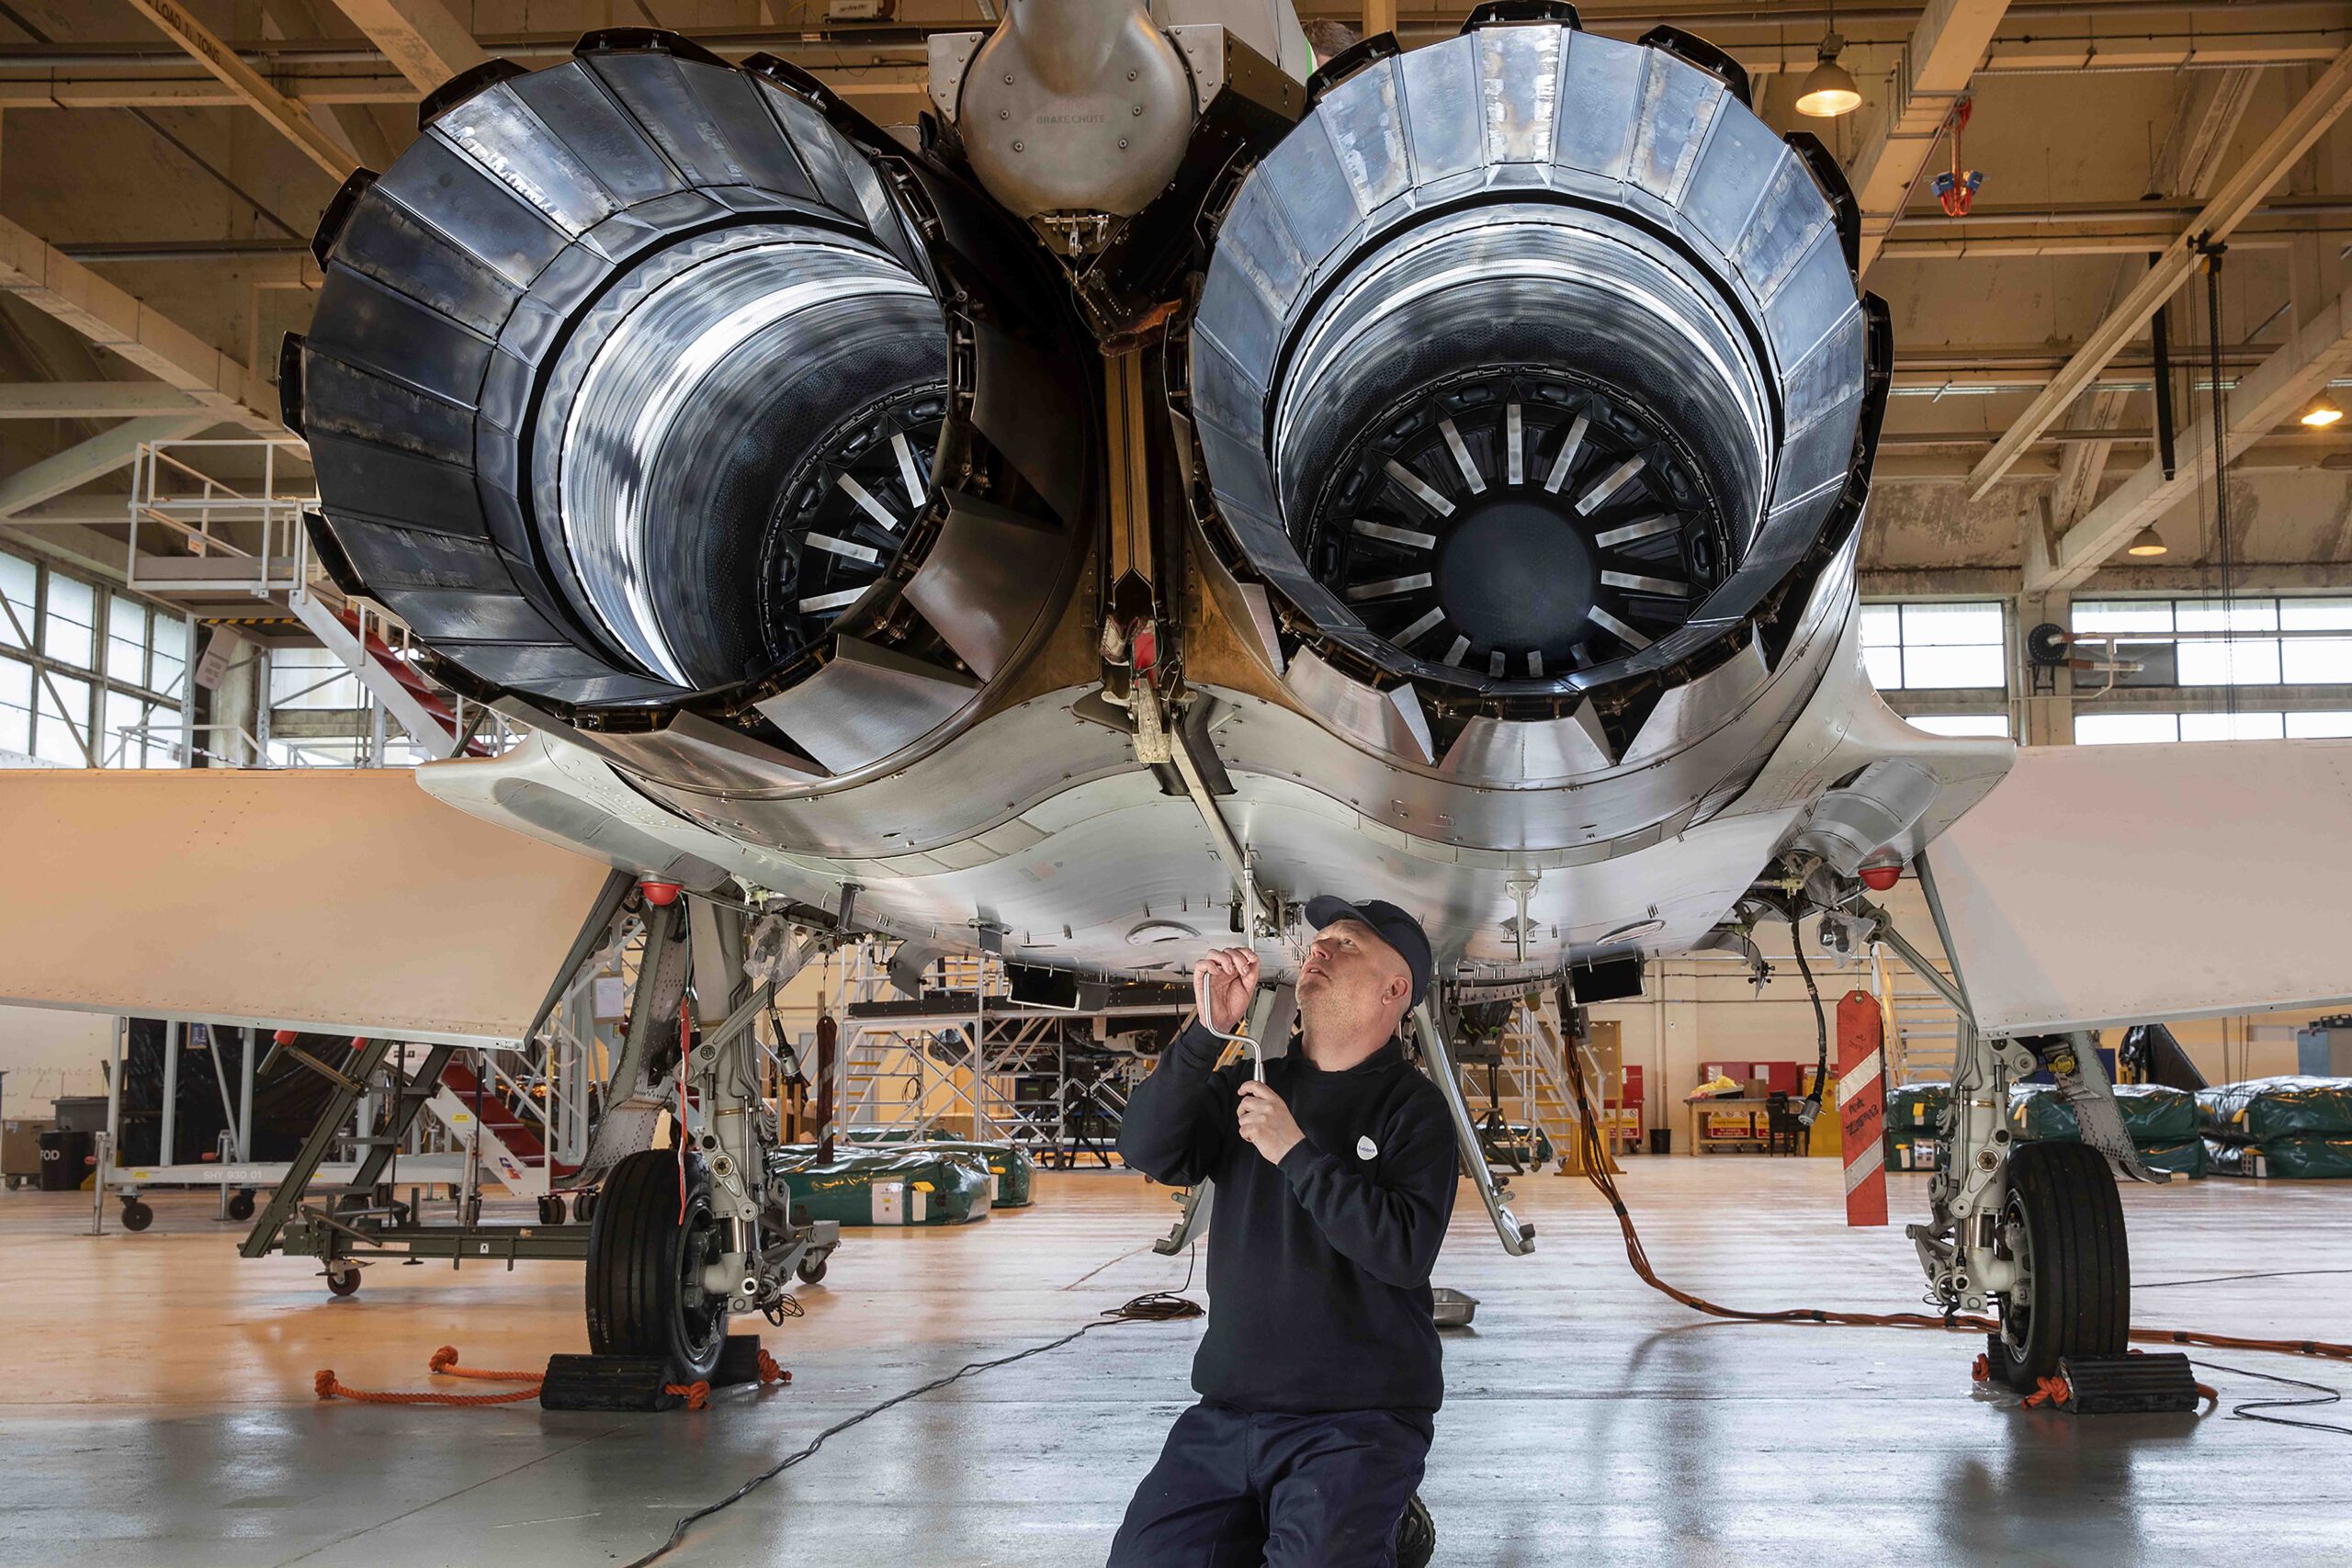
645 1266
2064 1224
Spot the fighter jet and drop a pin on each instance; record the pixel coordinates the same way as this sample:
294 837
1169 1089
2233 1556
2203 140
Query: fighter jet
1176 480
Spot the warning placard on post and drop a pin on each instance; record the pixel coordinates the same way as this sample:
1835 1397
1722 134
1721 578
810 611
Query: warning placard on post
1861 1106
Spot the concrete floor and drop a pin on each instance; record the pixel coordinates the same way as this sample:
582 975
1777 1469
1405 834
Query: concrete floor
155 1401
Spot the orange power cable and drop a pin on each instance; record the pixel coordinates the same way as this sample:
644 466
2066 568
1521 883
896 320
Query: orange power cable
1589 1137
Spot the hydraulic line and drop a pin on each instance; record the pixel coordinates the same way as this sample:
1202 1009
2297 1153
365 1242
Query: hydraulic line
1820 1023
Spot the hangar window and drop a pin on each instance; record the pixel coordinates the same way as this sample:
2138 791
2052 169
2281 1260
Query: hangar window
1960 723
2261 641
80 663
2130 729
312 678
20 585
68 618
15 705
1934 644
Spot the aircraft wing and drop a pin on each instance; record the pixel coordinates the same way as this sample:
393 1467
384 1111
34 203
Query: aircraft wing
300 898
2112 885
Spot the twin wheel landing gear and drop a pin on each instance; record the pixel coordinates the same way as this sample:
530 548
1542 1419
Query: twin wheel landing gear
2062 1226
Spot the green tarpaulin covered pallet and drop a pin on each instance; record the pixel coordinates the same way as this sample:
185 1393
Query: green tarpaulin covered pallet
1911 1152
2262 1109
1916 1108
885 1185
2185 1158
2302 1159
2152 1114
1014 1170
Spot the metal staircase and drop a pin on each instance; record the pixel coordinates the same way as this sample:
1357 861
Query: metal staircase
248 563
482 1114
1922 1031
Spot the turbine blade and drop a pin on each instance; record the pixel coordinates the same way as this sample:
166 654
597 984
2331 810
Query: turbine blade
1619 629
864 498
845 549
909 471
1640 585
1566 459
1477 481
1641 528
1430 617
1419 492
1386 588
1613 481
1373 530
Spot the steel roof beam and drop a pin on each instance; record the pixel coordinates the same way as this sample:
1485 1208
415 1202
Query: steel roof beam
1944 51
2238 197
91 399
2205 115
2265 397
94 459
56 285
420 37
291 118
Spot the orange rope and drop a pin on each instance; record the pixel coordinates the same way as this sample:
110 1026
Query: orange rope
444 1363
2049 1391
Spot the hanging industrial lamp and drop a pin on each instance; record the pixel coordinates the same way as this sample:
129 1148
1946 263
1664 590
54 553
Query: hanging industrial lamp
2148 544
1828 89
2322 414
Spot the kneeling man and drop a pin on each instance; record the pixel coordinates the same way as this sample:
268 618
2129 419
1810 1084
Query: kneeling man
1319 1373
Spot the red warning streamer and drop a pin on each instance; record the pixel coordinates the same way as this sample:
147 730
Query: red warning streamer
1861 1106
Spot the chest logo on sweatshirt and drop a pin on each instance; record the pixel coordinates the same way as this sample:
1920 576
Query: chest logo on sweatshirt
1366 1148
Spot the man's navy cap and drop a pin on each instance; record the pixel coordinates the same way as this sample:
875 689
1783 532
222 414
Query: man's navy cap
1397 929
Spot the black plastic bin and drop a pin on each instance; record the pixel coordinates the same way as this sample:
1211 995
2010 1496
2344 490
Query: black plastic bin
1661 1140
65 1161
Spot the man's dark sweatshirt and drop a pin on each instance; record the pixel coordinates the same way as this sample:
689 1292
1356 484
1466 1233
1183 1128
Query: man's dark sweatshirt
1319 1268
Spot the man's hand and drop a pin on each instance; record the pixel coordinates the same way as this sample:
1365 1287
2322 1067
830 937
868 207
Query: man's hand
1266 1122
1233 980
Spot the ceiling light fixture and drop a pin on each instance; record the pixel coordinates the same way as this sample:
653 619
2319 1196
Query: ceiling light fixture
1828 90
2148 544
2322 414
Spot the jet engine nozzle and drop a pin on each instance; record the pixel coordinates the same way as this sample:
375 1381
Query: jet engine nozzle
1537 398
651 393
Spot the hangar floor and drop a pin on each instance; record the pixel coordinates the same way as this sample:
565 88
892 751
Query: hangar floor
155 1402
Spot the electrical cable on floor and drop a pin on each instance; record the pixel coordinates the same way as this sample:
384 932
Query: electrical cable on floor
2228 1279
2245 1409
1596 1171
1154 1306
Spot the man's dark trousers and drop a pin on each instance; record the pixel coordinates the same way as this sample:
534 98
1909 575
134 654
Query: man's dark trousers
1235 1489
